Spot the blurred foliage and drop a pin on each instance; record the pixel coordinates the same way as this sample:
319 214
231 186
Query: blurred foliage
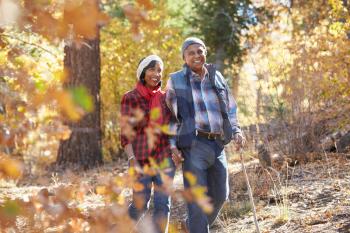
31 96
68 206
34 103
34 106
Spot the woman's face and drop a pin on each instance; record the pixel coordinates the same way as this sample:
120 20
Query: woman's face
153 76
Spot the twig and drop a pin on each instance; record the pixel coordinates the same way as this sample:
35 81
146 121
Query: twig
29 43
327 161
249 191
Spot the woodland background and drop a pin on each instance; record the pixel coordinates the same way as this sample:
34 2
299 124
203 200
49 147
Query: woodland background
64 66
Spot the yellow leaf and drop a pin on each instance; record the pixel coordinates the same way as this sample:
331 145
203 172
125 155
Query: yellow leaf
121 200
118 181
192 179
199 191
67 106
102 190
132 171
164 164
10 167
3 57
154 114
205 205
138 187
166 130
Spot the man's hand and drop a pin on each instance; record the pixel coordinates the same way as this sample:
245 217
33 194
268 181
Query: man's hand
176 156
239 140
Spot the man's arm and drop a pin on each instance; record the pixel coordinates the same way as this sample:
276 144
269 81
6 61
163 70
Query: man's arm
171 102
232 106
236 130
232 114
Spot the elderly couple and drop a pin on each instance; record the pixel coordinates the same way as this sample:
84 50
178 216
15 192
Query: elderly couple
198 103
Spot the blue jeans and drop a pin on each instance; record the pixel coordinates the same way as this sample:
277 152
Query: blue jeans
162 201
206 160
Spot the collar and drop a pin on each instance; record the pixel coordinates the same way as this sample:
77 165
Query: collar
193 74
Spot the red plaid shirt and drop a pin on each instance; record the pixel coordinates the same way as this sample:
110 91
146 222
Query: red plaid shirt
131 102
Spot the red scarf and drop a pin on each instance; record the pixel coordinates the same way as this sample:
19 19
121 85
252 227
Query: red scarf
154 97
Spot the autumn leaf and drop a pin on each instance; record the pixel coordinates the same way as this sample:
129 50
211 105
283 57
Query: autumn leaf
147 4
102 190
166 130
10 168
67 104
50 27
85 17
155 114
138 187
134 14
10 209
191 179
164 164
82 98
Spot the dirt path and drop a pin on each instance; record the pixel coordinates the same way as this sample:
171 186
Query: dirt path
314 198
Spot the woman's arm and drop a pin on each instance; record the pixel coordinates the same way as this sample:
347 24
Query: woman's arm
129 151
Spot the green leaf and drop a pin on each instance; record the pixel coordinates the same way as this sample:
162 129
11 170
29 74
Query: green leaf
164 164
11 208
82 98
40 85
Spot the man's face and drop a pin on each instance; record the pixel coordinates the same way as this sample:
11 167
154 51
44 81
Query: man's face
195 57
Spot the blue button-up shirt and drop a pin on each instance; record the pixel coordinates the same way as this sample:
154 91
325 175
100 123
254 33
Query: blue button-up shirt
208 116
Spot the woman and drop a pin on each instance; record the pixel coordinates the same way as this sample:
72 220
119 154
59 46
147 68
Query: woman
141 150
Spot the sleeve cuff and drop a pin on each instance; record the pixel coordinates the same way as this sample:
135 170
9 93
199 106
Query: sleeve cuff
236 130
172 142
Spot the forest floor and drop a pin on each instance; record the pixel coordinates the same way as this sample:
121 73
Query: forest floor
310 197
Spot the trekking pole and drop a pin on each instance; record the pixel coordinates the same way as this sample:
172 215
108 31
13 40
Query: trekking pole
249 191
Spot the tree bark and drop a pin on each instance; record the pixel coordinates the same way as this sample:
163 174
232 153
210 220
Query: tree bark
235 85
83 149
219 58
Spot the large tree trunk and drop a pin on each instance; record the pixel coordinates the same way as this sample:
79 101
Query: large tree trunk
220 55
235 85
83 148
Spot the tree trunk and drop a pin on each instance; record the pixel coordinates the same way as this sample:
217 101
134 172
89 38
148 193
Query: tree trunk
235 85
258 103
220 55
83 149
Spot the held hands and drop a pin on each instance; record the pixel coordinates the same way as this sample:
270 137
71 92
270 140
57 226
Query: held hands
240 140
176 156
133 163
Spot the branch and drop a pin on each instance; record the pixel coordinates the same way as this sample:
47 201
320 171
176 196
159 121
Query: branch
28 43
249 191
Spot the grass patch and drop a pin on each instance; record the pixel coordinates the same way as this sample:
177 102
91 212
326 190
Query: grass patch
236 209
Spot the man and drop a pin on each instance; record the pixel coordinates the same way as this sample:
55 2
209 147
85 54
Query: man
200 100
